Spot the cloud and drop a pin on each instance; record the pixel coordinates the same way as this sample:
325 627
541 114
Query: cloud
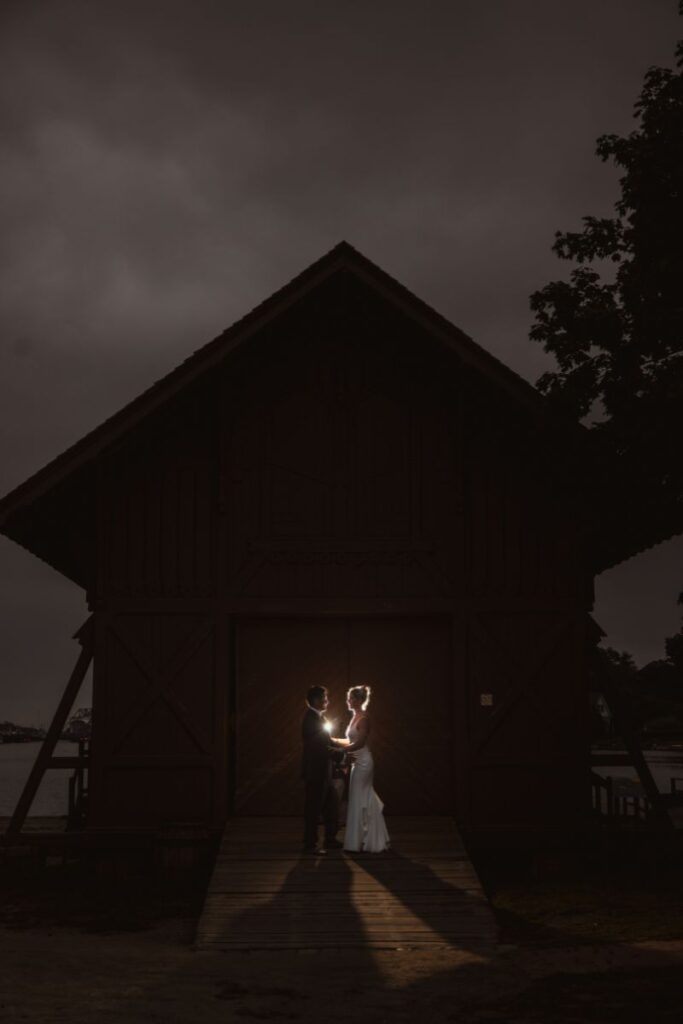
165 165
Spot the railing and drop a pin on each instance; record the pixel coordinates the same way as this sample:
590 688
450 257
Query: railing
619 799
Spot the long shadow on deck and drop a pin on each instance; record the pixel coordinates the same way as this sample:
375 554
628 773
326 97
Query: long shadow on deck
462 919
312 909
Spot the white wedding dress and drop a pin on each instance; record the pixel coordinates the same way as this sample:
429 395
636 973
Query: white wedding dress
365 827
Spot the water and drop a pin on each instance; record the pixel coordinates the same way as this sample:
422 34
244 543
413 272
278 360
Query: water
663 764
16 761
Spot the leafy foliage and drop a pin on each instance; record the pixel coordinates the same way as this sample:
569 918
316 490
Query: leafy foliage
619 341
616 666
673 646
644 694
79 724
615 327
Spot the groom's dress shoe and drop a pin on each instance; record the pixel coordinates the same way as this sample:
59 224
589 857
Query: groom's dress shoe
312 851
334 844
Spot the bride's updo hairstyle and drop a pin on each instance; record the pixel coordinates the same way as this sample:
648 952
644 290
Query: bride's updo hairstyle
361 693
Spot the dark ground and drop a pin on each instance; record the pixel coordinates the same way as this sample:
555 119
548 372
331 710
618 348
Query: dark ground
577 944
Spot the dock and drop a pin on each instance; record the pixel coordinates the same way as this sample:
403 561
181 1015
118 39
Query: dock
266 894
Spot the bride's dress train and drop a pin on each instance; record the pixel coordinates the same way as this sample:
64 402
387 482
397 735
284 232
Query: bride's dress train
365 827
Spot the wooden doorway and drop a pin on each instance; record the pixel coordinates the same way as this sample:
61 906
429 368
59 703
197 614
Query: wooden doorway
407 662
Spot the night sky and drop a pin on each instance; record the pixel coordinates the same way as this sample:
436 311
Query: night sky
167 165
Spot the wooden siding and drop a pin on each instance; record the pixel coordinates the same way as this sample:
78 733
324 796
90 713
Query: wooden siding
157 509
159 750
528 719
343 464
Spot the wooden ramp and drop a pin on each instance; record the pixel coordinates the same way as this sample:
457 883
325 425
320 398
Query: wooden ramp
265 894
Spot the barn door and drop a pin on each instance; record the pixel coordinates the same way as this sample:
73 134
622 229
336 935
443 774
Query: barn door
155 716
277 661
408 664
527 719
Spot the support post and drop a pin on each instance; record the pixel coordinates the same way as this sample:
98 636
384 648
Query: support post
44 758
626 727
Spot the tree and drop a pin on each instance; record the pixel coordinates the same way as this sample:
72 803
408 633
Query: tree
661 682
673 645
615 327
615 675
79 725
615 666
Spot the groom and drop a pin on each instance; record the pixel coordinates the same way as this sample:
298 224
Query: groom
316 770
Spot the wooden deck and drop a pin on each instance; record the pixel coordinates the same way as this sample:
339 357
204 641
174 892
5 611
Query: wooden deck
264 894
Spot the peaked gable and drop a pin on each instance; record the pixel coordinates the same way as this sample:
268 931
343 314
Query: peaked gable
64 478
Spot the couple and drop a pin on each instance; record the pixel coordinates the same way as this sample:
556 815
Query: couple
365 827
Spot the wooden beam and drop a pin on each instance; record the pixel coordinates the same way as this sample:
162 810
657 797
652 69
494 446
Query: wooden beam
45 754
621 710
68 762
622 759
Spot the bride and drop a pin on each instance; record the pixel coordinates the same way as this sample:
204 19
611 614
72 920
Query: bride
365 827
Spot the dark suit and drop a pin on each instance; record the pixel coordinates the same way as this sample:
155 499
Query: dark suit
316 771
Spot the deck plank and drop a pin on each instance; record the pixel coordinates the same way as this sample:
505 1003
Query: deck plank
264 894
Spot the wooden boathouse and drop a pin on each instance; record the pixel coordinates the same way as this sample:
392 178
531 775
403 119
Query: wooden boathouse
341 488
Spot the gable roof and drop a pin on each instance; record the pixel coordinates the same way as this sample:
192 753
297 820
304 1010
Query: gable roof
343 257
